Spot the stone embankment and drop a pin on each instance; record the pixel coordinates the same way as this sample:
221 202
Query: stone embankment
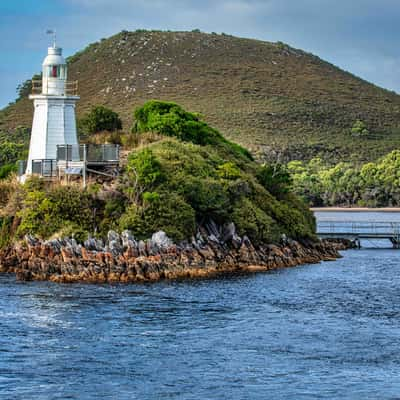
123 259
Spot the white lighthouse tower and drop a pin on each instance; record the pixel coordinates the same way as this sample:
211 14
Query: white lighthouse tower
54 120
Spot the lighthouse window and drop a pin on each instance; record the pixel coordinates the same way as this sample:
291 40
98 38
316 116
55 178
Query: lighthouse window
56 71
53 71
63 72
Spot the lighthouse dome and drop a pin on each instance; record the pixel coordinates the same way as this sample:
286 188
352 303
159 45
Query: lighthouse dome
54 72
54 57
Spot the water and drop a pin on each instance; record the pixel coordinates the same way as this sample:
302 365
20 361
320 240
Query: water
326 331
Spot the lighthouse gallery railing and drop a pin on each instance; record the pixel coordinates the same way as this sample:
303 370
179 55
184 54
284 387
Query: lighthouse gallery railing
70 87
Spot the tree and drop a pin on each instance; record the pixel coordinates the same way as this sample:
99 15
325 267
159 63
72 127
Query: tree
275 178
143 172
25 88
359 129
100 119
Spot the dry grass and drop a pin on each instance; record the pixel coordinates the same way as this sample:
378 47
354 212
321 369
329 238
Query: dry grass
8 186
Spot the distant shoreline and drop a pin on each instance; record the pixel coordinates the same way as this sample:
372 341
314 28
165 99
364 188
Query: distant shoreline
355 209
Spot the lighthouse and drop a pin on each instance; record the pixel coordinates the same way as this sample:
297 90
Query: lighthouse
54 123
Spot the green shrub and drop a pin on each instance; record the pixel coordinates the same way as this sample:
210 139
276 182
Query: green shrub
48 211
359 129
215 185
275 178
170 119
5 231
183 174
7 170
208 196
10 152
112 209
169 213
33 183
255 223
143 172
100 119
228 171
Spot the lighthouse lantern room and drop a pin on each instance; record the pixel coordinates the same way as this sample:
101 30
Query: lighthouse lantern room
54 122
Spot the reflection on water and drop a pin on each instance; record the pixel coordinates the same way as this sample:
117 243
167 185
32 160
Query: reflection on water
327 331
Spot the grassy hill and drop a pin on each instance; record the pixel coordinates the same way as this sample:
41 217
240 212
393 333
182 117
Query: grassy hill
268 97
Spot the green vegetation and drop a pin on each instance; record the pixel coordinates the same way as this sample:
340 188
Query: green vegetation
186 176
371 184
275 178
359 129
11 151
169 119
62 210
100 119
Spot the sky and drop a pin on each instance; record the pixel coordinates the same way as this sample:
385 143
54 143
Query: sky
360 36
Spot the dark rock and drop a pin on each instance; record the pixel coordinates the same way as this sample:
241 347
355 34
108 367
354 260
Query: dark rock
142 248
30 240
54 244
113 236
115 247
246 241
212 229
90 244
228 232
128 240
213 238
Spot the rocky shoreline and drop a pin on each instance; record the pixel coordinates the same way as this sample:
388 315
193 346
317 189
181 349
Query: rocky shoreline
123 259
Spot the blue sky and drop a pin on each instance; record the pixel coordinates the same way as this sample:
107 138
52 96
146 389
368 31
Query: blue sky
360 36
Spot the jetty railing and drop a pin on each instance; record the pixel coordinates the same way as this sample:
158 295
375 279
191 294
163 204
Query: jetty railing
378 228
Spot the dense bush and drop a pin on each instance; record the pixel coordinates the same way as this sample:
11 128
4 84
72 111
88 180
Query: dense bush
5 231
170 119
359 129
275 178
62 208
12 151
7 170
214 188
100 119
255 223
167 212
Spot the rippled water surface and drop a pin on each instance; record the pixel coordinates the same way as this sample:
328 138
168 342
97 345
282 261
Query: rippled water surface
327 331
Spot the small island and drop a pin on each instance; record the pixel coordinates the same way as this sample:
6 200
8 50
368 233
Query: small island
170 198
187 203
